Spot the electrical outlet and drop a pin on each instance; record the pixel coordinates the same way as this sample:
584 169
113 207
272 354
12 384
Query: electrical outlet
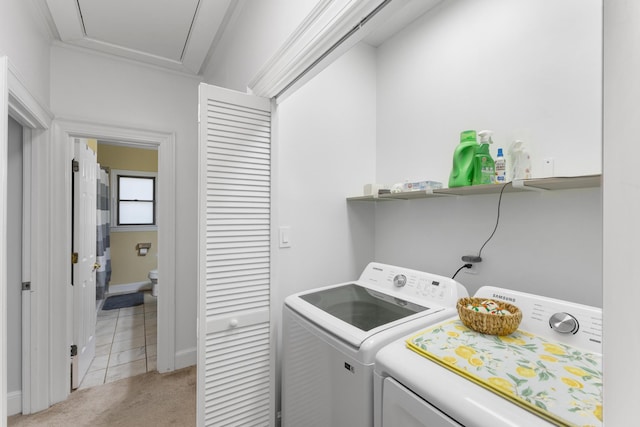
471 256
472 270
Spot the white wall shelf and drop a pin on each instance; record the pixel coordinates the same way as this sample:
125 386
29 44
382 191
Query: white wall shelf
536 184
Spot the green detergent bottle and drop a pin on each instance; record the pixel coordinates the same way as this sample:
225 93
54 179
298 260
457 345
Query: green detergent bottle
463 158
484 170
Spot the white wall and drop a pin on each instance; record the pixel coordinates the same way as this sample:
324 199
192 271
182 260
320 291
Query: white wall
520 68
14 265
325 146
529 69
257 29
325 149
25 39
621 210
111 91
546 243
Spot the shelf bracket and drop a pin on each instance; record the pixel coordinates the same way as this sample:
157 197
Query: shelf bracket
521 184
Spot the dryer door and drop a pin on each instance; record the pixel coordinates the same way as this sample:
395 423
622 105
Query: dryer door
401 407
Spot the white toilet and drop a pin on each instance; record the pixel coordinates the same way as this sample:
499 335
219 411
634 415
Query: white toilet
153 276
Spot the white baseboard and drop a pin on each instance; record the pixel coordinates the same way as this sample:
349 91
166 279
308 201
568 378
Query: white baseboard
186 358
126 288
14 403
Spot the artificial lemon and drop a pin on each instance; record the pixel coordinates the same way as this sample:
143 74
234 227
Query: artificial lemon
450 360
548 358
525 372
598 412
576 371
571 382
474 361
553 349
465 352
511 340
501 383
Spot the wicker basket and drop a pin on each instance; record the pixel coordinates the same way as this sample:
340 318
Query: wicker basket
487 323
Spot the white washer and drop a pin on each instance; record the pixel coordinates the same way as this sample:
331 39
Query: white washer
331 336
412 391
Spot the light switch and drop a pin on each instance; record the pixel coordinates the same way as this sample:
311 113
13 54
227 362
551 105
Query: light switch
285 237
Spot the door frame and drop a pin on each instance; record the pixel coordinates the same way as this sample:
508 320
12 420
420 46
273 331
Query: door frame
59 250
4 124
35 119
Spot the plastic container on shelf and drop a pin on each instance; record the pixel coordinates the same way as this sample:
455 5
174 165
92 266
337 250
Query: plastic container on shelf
483 165
520 166
500 164
463 157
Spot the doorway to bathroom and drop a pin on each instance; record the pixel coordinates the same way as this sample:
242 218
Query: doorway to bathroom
54 386
127 259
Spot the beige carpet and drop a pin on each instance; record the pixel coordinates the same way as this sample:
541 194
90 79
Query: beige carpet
150 399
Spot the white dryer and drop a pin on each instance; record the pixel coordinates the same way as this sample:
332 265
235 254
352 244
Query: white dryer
331 336
540 384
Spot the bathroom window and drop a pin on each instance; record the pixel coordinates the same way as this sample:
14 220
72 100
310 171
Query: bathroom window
134 200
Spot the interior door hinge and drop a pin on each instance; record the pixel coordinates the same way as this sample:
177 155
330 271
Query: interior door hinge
74 258
75 165
74 350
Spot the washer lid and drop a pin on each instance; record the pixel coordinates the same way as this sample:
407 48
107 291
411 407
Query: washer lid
354 313
364 308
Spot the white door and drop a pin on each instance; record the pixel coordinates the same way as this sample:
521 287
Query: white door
235 369
84 253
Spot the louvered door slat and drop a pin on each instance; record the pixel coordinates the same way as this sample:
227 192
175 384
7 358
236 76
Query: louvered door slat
235 244
244 146
222 167
248 278
235 230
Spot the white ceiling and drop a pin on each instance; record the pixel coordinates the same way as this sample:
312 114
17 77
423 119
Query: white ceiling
175 34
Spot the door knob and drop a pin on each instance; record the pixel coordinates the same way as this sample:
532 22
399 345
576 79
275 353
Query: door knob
233 323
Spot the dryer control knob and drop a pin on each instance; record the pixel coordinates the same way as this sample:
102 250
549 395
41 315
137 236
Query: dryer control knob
400 280
564 323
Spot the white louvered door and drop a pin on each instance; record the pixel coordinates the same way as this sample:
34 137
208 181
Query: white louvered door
234 335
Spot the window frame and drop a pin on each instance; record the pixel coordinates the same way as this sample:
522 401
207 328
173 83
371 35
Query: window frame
115 199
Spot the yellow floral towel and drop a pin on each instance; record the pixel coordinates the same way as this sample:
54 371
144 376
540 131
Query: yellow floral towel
555 381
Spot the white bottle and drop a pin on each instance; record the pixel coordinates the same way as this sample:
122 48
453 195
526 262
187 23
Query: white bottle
500 164
520 161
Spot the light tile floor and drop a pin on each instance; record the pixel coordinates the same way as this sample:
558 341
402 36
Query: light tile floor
125 343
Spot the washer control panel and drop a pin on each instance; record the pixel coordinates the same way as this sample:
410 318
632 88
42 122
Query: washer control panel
412 284
563 321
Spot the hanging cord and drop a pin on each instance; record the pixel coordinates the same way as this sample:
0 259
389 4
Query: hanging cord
458 271
469 265
497 220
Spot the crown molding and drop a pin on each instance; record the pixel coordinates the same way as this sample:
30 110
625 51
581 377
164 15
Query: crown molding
23 106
